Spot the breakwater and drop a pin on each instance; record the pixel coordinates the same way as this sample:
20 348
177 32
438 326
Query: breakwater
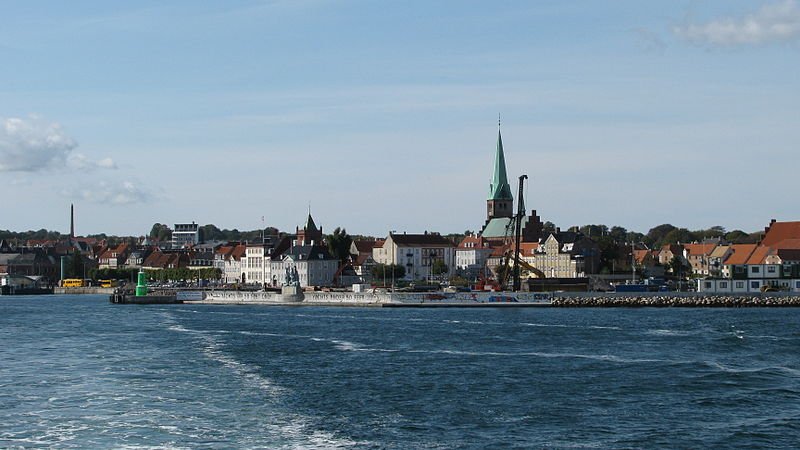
676 300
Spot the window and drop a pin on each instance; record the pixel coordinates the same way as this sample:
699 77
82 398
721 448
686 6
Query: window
797 284
723 285
754 285
755 269
740 285
771 269
708 285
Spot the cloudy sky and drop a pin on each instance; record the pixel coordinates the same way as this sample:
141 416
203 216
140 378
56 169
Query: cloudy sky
383 115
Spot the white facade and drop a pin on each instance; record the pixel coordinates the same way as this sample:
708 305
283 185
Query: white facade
722 286
472 258
253 264
555 260
185 234
314 267
417 253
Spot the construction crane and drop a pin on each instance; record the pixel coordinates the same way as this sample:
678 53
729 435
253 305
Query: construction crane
518 232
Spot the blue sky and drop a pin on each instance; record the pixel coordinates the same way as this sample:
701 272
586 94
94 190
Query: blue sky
383 115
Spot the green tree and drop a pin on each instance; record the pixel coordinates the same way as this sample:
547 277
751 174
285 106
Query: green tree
678 235
438 267
160 232
547 228
385 271
677 266
503 272
76 266
655 237
339 244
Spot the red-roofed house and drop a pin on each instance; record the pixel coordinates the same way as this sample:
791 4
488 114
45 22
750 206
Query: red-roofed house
471 255
361 256
698 255
780 231
113 257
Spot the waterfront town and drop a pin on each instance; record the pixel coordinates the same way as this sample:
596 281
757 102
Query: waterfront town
511 240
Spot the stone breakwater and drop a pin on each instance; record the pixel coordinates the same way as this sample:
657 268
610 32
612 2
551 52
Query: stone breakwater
724 301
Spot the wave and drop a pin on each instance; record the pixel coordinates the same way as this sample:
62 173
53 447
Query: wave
666 332
752 370
558 325
349 346
299 429
608 358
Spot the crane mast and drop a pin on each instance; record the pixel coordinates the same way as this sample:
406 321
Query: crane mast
518 232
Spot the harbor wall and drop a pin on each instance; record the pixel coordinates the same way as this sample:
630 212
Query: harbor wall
83 290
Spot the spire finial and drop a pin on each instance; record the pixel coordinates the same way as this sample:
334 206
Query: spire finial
498 120
309 208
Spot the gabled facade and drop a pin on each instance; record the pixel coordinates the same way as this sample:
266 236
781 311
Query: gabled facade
417 253
228 259
114 257
567 255
314 264
698 257
471 255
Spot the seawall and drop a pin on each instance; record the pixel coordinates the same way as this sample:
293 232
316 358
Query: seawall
678 300
83 290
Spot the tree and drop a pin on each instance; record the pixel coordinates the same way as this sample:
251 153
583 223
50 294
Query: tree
339 244
547 228
678 235
210 232
677 266
655 237
160 232
438 267
385 271
737 237
594 231
76 267
502 272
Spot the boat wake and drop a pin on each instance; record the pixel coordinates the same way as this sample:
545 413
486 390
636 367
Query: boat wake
298 431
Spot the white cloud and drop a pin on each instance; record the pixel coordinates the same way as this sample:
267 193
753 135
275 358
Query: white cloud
114 193
774 23
79 161
106 163
32 144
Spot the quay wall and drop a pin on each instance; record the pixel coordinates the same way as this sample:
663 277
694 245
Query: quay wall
82 290
561 299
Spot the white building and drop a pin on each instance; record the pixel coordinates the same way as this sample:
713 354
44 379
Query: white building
314 264
254 264
471 255
228 259
417 253
185 234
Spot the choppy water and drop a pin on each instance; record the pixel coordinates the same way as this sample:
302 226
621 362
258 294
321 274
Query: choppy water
80 372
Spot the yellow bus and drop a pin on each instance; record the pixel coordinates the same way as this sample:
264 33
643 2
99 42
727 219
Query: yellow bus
72 282
107 283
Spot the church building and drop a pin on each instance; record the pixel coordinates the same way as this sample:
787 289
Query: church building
499 227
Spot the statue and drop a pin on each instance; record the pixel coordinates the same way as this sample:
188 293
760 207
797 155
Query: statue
288 277
295 276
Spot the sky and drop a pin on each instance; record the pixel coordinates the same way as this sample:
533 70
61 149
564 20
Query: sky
383 116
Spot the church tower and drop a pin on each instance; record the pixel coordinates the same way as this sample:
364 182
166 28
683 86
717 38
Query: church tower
309 234
500 201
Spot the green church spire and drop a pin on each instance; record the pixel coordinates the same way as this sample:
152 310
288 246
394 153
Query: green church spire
499 188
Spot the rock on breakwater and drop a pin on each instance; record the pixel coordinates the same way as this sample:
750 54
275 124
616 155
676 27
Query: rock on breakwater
725 301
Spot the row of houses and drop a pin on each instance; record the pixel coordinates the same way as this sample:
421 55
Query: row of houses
771 264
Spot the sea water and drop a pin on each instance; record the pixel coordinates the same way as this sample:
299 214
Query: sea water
79 372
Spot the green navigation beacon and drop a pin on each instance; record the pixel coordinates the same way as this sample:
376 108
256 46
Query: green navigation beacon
141 284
